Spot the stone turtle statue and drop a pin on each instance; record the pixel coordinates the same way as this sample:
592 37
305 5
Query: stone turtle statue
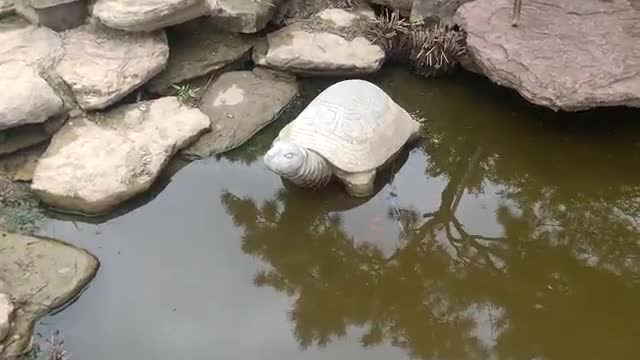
350 130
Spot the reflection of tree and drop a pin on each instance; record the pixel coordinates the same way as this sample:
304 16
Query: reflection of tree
338 283
561 281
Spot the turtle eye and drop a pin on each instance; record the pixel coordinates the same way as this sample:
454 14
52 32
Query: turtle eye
288 155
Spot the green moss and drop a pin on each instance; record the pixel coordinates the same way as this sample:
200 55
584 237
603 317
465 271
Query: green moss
19 209
9 18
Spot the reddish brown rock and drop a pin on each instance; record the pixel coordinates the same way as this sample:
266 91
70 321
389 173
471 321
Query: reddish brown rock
569 55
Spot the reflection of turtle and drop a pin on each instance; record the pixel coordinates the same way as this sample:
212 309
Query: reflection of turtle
350 130
334 199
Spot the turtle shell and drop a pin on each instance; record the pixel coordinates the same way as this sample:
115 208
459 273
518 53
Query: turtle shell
353 124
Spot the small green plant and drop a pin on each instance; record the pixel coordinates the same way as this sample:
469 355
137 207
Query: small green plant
185 93
53 349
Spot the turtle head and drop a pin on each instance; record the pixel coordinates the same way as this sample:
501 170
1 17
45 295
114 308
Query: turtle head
285 158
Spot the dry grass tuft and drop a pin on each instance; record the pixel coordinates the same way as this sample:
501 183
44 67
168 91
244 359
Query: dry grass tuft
429 50
388 30
436 49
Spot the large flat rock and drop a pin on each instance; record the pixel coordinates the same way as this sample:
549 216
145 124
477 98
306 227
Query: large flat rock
244 16
332 42
239 104
101 65
31 99
93 165
198 48
569 55
148 15
41 275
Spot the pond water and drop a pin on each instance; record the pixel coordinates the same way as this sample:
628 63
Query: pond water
509 232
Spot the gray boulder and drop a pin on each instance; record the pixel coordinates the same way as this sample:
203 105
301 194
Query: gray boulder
198 48
17 138
57 274
94 164
34 46
101 65
239 104
332 42
58 15
244 16
30 101
6 315
149 15
32 110
435 10
6 7
569 55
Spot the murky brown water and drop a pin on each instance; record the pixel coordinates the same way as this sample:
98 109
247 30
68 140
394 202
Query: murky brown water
509 233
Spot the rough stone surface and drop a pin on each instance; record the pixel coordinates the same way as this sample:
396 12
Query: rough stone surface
245 16
6 7
240 104
434 10
569 55
91 166
101 65
20 165
6 315
331 43
403 6
30 101
58 15
35 46
14 139
197 48
148 15
42 275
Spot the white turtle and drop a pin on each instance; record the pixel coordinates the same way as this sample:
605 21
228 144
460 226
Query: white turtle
352 129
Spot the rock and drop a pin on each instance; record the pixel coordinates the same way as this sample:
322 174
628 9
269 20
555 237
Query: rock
20 165
148 15
101 65
245 16
6 315
6 7
331 43
25 171
57 273
93 165
28 135
570 55
197 49
34 46
403 6
58 15
435 10
30 101
240 104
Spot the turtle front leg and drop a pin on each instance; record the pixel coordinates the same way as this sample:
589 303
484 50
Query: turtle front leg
517 8
359 184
